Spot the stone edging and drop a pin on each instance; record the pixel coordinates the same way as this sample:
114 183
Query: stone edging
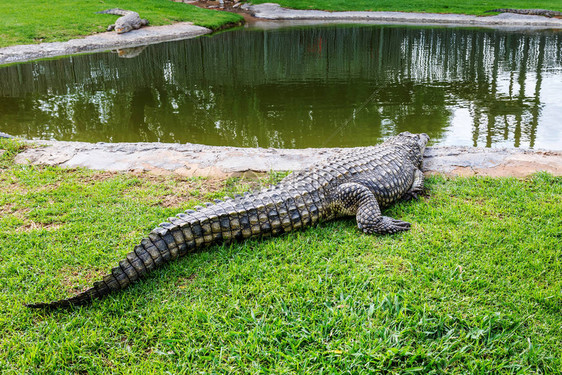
217 161
102 42
272 11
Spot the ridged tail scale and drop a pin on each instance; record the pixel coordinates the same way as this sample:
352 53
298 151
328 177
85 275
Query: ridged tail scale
271 212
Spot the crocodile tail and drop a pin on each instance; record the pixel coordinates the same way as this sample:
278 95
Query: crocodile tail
81 299
231 220
165 243
504 10
115 11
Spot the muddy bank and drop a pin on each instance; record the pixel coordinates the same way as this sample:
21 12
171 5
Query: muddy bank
272 11
215 161
102 42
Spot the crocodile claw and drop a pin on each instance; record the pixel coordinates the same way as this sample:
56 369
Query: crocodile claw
386 225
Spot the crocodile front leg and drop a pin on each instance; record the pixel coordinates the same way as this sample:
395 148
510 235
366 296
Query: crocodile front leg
359 200
417 186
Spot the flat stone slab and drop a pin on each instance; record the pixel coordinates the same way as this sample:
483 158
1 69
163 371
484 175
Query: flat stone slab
102 42
272 11
215 161
4 135
494 162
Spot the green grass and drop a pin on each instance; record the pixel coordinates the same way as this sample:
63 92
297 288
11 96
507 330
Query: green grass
477 7
31 21
474 287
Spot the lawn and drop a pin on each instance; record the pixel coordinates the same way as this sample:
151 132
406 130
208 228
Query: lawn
474 287
477 7
31 21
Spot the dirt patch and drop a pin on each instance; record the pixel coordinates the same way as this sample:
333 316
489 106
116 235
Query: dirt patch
462 172
7 209
181 189
183 194
29 226
98 177
229 6
13 186
397 264
183 282
83 276
178 189
198 190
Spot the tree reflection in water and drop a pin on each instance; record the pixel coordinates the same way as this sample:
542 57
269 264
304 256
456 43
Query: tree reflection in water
300 87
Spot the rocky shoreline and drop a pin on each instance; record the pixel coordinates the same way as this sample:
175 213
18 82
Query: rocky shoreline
217 161
102 42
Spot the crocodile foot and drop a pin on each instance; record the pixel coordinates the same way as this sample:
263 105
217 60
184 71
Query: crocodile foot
384 225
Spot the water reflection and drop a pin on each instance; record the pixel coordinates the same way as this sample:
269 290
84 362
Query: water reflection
303 87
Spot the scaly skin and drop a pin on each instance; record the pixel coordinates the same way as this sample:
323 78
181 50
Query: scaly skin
530 12
359 182
129 21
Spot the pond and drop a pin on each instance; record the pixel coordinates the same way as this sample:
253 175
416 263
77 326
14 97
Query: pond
321 86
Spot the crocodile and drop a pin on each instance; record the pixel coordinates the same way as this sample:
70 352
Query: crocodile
129 53
530 12
129 21
359 182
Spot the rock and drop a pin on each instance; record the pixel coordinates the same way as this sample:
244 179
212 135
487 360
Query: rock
215 161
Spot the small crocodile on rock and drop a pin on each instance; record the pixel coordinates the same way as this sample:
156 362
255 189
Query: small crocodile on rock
129 21
359 182
530 12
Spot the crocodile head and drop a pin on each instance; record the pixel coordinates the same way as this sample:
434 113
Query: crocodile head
122 27
414 143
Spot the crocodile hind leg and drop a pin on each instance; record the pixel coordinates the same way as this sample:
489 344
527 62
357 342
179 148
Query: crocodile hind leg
417 186
358 199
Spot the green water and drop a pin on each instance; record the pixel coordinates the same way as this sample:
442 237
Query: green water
300 87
